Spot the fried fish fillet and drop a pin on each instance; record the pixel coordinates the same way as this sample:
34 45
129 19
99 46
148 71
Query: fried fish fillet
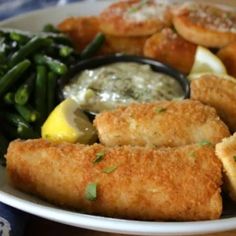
81 30
219 93
127 45
170 48
205 24
131 182
226 152
165 123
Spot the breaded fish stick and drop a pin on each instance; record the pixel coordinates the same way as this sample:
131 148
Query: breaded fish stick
226 151
131 182
219 93
159 124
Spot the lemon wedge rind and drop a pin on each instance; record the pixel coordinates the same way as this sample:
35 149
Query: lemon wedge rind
207 62
67 123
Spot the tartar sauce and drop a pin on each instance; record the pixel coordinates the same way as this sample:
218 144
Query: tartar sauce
120 83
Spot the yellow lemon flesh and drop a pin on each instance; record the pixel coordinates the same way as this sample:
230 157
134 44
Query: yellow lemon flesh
206 62
68 123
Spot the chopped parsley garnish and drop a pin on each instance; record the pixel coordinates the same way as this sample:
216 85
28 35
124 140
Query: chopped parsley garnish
192 154
91 191
234 158
99 157
161 109
109 169
204 143
138 6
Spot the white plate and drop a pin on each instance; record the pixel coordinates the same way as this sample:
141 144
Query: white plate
34 22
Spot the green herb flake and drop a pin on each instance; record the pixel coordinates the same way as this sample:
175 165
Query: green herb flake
204 143
138 6
234 158
99 157
192 154
109 169
161 109
91 191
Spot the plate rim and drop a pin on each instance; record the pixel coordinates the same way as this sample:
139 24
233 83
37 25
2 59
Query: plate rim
116 225
100 223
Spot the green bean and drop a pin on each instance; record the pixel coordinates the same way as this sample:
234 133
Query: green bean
13 75
9 98
29 48
65 51
10 130
2 57
27 112
3 148
50 28
54 65
22 127
13 118
93 47
51 91
57 37
19 37
41 92
29 34
23 93
26 132
4 50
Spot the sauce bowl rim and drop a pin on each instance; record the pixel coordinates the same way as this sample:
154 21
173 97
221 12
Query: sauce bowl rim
100 61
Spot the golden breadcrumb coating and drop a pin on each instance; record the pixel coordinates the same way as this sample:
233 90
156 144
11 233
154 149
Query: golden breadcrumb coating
165 123
226 152
148 184
170 48
127 45
205 24
228 57
81 30
132 18
219 93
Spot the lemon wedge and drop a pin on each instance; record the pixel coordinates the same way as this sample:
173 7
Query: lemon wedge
68 123
207 62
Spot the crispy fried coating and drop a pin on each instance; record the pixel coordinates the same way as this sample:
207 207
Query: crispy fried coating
219 93
147 184
205 24
127 45
81 30
170 48
132 18
226 152
228 57
165 123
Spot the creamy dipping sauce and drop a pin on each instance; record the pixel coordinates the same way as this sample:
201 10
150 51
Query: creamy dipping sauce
120 83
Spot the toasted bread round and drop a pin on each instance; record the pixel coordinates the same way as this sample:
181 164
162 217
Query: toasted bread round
170 48
132 18
228 57
81 30
206 25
